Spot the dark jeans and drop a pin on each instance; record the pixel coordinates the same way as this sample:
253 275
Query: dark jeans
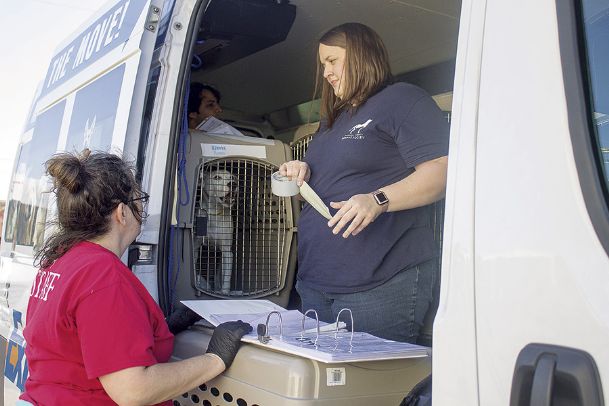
394 310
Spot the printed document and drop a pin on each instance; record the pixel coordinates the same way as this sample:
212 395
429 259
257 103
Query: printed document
290 336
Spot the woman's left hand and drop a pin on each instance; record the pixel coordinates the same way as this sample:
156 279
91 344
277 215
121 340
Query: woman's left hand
360 210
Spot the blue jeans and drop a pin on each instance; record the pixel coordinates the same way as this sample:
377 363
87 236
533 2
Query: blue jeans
394 310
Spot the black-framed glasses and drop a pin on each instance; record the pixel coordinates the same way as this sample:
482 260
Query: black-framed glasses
144 198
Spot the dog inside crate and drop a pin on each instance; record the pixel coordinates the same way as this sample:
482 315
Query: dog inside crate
239 229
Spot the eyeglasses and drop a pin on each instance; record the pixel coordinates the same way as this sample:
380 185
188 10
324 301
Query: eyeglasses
144 198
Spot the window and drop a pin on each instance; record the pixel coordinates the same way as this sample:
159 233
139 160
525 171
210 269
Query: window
596 35
92 122
27 206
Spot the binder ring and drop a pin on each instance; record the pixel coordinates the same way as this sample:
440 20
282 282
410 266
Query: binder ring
280 323
304 316
338 318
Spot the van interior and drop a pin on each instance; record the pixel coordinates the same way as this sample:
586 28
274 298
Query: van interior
262 56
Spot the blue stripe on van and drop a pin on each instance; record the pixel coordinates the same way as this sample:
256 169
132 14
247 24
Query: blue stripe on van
105 34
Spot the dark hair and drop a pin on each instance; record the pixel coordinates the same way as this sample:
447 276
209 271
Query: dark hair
88 187
194 95
366 68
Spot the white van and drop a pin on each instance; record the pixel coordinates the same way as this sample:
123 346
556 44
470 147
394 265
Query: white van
524 293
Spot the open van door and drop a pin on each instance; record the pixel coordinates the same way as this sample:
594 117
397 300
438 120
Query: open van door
531 238
92 97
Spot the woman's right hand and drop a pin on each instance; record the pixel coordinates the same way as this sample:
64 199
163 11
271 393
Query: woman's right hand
295 170
226 340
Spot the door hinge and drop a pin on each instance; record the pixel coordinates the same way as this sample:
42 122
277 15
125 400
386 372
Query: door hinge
153 18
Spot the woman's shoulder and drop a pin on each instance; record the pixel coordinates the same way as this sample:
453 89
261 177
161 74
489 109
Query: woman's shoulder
403 90
89 251
90 261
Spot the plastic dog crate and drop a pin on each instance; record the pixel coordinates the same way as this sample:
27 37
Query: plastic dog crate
261 377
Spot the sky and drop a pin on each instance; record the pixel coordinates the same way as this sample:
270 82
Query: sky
30 30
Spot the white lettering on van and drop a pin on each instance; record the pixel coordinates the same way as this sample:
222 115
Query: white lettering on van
122 16
100 36
59 66
65 62
44 284
116 24
80 55
53 70
102 32
92 41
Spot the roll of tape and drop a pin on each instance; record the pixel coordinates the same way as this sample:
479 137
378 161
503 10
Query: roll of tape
282 186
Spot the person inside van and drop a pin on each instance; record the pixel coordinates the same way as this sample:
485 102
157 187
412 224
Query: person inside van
94 334
203 102
379 158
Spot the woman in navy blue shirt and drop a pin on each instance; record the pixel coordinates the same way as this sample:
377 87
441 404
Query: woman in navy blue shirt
379 159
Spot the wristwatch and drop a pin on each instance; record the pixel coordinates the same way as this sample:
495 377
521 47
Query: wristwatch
380 197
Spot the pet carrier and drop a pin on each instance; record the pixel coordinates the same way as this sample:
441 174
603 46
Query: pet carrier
303 135
238 239
262 377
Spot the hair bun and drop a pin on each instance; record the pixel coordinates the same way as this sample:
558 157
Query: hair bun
67 170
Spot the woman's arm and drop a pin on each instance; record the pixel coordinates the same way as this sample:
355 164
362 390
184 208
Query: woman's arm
163 381
156 383
425 185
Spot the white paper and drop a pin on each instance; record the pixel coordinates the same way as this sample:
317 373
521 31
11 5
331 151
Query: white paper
214 126
328 346
337 348
216 311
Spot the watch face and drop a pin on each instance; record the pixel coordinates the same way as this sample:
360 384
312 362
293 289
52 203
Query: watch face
380 197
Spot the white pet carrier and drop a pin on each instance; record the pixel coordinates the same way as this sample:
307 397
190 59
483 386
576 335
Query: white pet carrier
242 235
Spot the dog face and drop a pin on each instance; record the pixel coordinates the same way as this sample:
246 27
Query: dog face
220 187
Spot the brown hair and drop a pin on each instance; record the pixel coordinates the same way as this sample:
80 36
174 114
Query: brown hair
88 187
367 69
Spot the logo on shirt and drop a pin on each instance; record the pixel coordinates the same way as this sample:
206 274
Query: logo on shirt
43 284
357 131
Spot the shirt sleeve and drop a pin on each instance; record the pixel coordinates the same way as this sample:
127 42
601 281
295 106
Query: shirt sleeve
115 331
423 134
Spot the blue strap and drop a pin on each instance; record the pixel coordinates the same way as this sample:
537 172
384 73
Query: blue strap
183 199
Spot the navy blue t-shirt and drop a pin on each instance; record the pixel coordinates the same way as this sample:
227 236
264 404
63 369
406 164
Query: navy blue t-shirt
377 145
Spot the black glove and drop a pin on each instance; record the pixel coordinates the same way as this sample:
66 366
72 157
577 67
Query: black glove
181 319
226 340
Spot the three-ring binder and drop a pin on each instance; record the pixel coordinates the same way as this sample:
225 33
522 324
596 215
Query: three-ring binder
263 329
294 334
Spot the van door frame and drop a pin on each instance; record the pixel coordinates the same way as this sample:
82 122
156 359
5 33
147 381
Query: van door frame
169 191
579 112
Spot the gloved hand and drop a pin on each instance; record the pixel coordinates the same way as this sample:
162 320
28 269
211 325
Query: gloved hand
181 319
226 340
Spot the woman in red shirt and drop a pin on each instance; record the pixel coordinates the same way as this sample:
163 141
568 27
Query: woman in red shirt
94 335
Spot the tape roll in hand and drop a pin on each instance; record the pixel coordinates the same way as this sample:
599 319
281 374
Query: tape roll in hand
283 186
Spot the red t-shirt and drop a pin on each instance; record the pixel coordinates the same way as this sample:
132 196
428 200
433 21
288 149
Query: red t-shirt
88 316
